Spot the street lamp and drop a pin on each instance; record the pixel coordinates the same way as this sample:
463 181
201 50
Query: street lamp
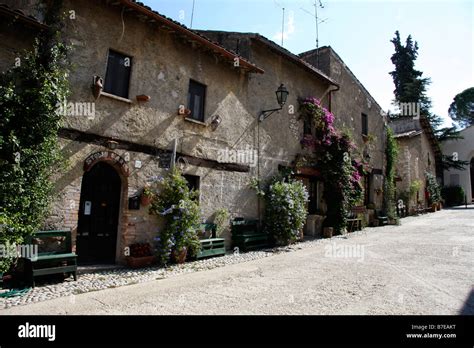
282 95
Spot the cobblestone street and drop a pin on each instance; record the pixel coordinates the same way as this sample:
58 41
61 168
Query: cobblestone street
425 266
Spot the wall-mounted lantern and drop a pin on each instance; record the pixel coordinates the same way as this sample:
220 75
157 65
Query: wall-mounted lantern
112 145
282 95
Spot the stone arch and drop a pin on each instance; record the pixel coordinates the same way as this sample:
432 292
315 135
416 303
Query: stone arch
121 167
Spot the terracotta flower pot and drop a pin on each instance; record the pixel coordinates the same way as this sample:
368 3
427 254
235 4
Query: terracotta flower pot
179 257
145 200
139 262
328 232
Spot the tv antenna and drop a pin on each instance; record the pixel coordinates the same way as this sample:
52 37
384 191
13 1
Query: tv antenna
276 3
317 22
192 15
283 27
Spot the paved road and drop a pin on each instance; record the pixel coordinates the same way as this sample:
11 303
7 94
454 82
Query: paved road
425 266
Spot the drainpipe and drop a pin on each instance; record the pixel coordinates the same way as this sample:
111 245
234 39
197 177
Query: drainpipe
330 97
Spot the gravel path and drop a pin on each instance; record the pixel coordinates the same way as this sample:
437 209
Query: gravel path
425 266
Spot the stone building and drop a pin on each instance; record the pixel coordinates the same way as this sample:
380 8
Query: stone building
418 151
358 113
167 93
462 150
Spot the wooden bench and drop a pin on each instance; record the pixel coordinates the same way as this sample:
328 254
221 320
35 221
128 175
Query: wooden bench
247 236
212 246
52 262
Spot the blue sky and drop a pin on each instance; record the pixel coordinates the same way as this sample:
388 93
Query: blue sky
359 31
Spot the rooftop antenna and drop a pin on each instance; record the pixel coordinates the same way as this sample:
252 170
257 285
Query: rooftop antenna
192 15
317 22
283 27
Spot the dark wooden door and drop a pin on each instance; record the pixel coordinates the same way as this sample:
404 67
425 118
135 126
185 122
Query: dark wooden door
98 215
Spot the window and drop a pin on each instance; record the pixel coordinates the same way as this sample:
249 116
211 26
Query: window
365 124
193 181
117 78
196 100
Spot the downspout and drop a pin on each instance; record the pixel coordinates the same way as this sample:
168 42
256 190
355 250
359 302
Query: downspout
329 93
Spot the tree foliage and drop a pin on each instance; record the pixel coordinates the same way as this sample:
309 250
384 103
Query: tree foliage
462 108
411 87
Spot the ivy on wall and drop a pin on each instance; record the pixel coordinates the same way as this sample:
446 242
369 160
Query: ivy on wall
29 122
391 153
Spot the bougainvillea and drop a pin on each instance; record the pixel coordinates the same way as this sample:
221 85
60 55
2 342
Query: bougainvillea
340 173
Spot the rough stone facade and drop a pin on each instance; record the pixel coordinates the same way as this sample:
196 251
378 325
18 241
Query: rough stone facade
162 65
348 104
463 150
416 157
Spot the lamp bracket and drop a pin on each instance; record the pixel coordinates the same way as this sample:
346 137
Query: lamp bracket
266 113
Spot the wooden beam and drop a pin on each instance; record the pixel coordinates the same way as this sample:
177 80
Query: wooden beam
96 139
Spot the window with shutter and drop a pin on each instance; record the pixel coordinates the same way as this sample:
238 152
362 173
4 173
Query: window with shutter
117 78
196 100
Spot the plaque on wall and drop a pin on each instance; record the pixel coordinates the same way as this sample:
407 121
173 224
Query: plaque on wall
165 160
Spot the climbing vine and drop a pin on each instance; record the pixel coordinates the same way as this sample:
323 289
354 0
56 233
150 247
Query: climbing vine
29 151
340 172
391 153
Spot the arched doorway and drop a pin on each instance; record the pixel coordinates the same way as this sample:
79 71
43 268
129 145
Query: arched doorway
99 214
472 179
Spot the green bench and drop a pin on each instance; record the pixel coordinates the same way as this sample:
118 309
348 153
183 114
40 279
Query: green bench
52 261
246 235
212 246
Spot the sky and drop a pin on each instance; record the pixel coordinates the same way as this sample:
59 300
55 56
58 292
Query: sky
359 31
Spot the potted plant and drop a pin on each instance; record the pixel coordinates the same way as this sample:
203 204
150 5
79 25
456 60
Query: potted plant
221 219
141 255
178 205
146 196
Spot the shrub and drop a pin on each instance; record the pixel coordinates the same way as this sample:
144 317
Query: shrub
433 188
453 195
221 219
285 210
178 205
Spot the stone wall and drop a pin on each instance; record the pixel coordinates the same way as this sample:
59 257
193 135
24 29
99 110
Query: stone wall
348 104
463 149
161 68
